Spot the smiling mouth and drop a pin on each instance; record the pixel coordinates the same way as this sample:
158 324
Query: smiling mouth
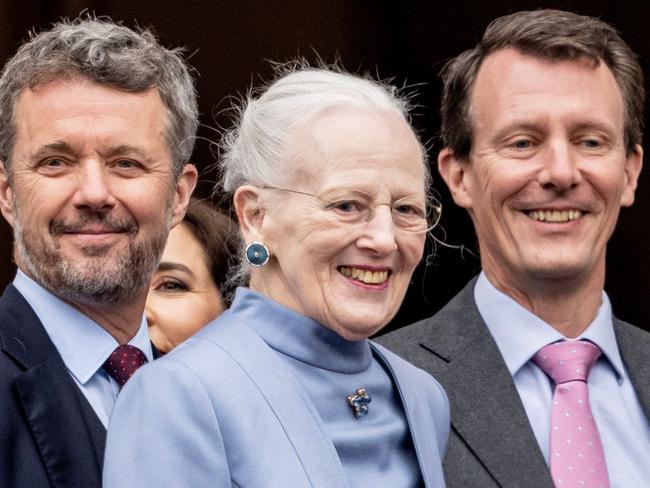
365 276
555 216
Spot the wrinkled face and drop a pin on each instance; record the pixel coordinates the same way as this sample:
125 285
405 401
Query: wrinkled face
90 195
548 171
183 296
350 278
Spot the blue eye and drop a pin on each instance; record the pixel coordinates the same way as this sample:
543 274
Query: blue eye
522 144
347 206
126 164
407 210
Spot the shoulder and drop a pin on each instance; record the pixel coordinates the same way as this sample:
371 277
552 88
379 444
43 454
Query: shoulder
633 343
630 331
419 380
459 317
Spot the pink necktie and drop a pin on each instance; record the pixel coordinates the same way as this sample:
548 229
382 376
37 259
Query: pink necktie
577 456
123 362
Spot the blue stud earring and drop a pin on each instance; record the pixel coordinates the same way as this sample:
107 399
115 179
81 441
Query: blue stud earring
256 254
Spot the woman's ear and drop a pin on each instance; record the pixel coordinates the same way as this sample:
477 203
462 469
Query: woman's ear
247 201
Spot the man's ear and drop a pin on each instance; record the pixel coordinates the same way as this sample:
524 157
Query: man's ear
6 195
184 188
457 176
633 165
250 212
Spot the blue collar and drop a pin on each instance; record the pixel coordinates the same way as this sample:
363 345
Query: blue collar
300 337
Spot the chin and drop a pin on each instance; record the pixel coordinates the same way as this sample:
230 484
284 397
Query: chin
558 270
359 328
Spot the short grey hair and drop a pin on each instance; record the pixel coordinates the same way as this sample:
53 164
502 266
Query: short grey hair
109 54
255 150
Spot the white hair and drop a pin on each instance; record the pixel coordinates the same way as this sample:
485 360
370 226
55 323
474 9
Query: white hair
255 150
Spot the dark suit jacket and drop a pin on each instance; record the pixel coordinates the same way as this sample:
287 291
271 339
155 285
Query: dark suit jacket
491 443
49 434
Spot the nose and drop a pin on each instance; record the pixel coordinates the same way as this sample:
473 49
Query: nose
94 192
560 171
379 232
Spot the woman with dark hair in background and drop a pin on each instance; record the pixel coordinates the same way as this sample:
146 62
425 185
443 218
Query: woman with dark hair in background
187 290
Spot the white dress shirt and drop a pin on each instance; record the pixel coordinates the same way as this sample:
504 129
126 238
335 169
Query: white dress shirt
624 428
82 343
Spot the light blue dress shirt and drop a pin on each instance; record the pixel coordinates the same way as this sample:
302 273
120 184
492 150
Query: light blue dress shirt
83 344
622 424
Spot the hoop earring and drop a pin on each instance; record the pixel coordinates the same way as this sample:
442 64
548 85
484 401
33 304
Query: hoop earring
256 254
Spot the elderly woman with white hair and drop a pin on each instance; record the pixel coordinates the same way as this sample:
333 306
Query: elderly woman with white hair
329 183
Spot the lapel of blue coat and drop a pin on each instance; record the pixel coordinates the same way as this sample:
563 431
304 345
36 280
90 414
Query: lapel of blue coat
420 421
289 402
486 411
66 430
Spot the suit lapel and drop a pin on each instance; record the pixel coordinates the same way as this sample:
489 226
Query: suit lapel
70 451
634 344
486 411
290 403
67 433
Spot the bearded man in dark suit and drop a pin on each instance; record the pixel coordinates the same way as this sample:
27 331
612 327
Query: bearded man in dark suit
96 124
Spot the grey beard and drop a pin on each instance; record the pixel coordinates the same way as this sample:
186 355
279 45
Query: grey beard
97 281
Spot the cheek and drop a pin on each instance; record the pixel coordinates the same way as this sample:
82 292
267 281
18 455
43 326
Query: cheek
174 316
411 248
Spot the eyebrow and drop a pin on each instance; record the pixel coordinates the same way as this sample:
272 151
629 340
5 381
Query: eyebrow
538 125
126 149
585 125
64 147
47 149
171 266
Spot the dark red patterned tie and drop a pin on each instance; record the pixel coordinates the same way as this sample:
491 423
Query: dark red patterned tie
123 362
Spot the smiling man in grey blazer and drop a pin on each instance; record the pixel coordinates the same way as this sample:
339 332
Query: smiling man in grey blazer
542 131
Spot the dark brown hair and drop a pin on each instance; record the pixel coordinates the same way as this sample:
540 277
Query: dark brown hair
547 34
218 236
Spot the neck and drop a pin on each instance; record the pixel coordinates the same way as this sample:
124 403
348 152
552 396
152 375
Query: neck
121 320
568 305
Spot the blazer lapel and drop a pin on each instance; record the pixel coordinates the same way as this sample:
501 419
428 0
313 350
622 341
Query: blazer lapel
486 411
70 453
420 422
290 403
634 345
66 430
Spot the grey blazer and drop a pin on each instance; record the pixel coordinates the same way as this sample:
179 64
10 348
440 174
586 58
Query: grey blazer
491 443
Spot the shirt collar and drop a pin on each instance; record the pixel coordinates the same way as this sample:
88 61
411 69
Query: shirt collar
519 333
83 344
300 337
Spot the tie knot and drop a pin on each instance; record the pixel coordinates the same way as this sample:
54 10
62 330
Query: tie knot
123 362
567 360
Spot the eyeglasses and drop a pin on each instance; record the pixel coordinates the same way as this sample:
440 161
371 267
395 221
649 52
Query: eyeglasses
353 207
